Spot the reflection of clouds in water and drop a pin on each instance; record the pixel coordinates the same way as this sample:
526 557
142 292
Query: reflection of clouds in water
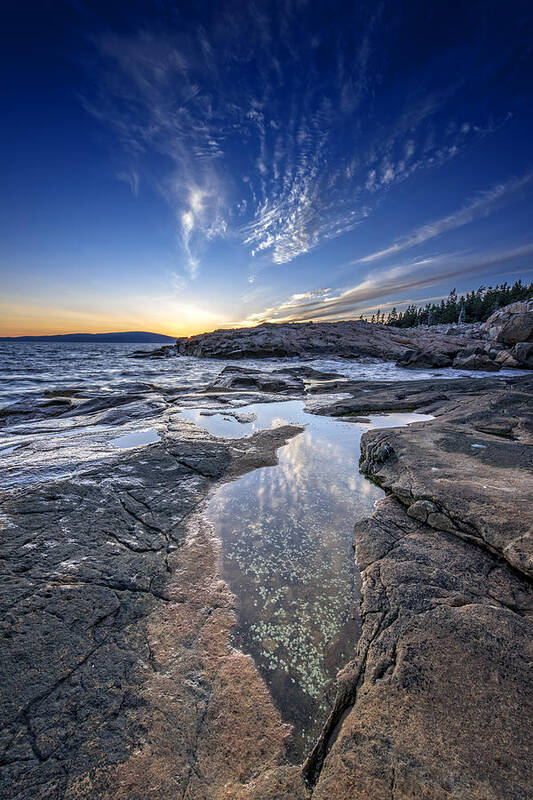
287 532
278 422
330 464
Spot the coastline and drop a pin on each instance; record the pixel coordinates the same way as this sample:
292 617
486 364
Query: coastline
117 609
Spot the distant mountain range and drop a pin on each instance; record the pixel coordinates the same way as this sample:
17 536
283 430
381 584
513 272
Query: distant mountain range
124 336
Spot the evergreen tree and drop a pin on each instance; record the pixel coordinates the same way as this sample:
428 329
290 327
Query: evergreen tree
477 306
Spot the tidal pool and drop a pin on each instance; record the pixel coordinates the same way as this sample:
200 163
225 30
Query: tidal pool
136 438
288 554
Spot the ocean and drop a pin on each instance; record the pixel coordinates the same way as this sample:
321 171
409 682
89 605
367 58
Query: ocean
29 369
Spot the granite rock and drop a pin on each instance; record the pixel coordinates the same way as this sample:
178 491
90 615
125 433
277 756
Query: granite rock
477 478
436 702
426 346
115 629
119 677
511 324
349 339
476 361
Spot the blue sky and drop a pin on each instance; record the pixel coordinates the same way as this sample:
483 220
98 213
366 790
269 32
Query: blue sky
185 166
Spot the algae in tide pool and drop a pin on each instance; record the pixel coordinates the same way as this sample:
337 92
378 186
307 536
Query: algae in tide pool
287 534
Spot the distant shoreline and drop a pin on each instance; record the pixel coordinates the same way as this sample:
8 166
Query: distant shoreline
138 337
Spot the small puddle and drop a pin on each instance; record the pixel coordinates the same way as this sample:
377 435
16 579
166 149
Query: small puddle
136 438
257 416
288 554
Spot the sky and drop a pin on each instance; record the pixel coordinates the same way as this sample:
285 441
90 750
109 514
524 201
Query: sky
183 166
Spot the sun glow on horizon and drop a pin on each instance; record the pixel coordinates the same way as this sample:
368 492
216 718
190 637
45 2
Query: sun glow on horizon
204 169
166 316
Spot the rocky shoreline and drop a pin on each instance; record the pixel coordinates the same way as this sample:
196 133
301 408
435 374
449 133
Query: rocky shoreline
119 677
505 340
436 702
112 602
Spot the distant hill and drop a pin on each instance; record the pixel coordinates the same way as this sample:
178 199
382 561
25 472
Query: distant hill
124 336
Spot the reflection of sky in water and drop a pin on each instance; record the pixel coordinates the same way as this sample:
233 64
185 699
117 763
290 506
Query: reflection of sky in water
266 415
287 533
136 438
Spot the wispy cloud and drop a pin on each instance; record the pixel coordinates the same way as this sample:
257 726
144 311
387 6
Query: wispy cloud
482 205
131 177
273 133
325 305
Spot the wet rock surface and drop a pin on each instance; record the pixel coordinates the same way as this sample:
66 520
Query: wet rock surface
161 352
119 675
416 359
469 472
278 381
374 397
108 600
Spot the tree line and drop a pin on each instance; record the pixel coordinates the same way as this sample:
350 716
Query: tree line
475 306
